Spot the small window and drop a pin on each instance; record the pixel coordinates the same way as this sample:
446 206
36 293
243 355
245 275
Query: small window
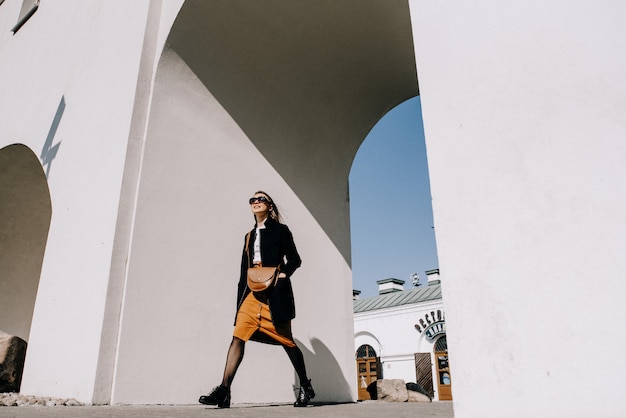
441 345
365 351
29 7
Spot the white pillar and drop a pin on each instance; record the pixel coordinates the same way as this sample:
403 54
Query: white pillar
523 107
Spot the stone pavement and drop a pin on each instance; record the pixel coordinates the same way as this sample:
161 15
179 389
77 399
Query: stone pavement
360 409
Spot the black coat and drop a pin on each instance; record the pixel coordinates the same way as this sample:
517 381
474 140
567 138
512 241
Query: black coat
277 247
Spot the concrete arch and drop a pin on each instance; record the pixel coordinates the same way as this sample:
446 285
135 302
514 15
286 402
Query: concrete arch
307 78
265 95
25 212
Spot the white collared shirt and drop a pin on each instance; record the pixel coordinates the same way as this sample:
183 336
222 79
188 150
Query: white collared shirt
256 259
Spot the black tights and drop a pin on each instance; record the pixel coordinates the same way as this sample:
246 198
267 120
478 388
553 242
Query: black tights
233 360
297 359
235 355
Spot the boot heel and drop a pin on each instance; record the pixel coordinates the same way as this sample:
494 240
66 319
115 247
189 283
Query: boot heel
225 403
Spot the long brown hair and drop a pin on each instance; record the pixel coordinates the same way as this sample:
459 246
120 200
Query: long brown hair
274 213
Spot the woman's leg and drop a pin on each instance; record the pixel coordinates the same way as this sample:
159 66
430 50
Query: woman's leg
233 360
306 390
297 359
220 395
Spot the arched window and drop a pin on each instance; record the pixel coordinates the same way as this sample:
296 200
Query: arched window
365 351
441 344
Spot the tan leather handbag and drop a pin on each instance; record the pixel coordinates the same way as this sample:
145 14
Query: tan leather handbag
262 278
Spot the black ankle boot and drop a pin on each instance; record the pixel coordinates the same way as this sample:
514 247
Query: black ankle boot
219 396
305 395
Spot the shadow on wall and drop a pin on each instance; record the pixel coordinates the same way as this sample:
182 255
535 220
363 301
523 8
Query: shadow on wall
305 81
49 151
325 374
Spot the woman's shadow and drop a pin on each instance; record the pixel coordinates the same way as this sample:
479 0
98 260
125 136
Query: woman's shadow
327 378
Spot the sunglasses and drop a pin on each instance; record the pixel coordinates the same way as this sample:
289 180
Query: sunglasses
260 199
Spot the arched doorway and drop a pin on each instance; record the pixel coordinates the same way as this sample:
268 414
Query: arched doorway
368 369
25 212
444 382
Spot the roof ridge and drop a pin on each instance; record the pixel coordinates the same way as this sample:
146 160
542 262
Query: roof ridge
404 297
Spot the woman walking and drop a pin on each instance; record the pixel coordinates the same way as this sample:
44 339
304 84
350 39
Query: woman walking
265 317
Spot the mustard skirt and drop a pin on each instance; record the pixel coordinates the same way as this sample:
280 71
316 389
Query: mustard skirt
254 322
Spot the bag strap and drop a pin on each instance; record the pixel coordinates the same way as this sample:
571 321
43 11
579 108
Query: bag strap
247 254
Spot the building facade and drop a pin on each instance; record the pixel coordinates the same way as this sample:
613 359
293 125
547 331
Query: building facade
401 334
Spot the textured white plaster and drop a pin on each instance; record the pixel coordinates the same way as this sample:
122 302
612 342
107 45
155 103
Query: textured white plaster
523 110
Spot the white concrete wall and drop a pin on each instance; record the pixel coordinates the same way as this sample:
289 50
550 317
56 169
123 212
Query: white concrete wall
145 177
523 112
198 171
523 107
70 51
148 170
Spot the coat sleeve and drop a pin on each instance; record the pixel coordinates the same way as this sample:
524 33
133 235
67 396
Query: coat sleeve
241 287
292 258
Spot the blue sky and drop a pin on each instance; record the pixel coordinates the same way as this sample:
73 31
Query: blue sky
390 203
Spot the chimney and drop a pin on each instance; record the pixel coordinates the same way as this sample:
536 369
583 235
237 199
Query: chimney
355 294
433 277
390 285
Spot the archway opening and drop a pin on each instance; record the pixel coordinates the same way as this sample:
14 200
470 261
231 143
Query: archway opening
25 212
391 220
291 90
